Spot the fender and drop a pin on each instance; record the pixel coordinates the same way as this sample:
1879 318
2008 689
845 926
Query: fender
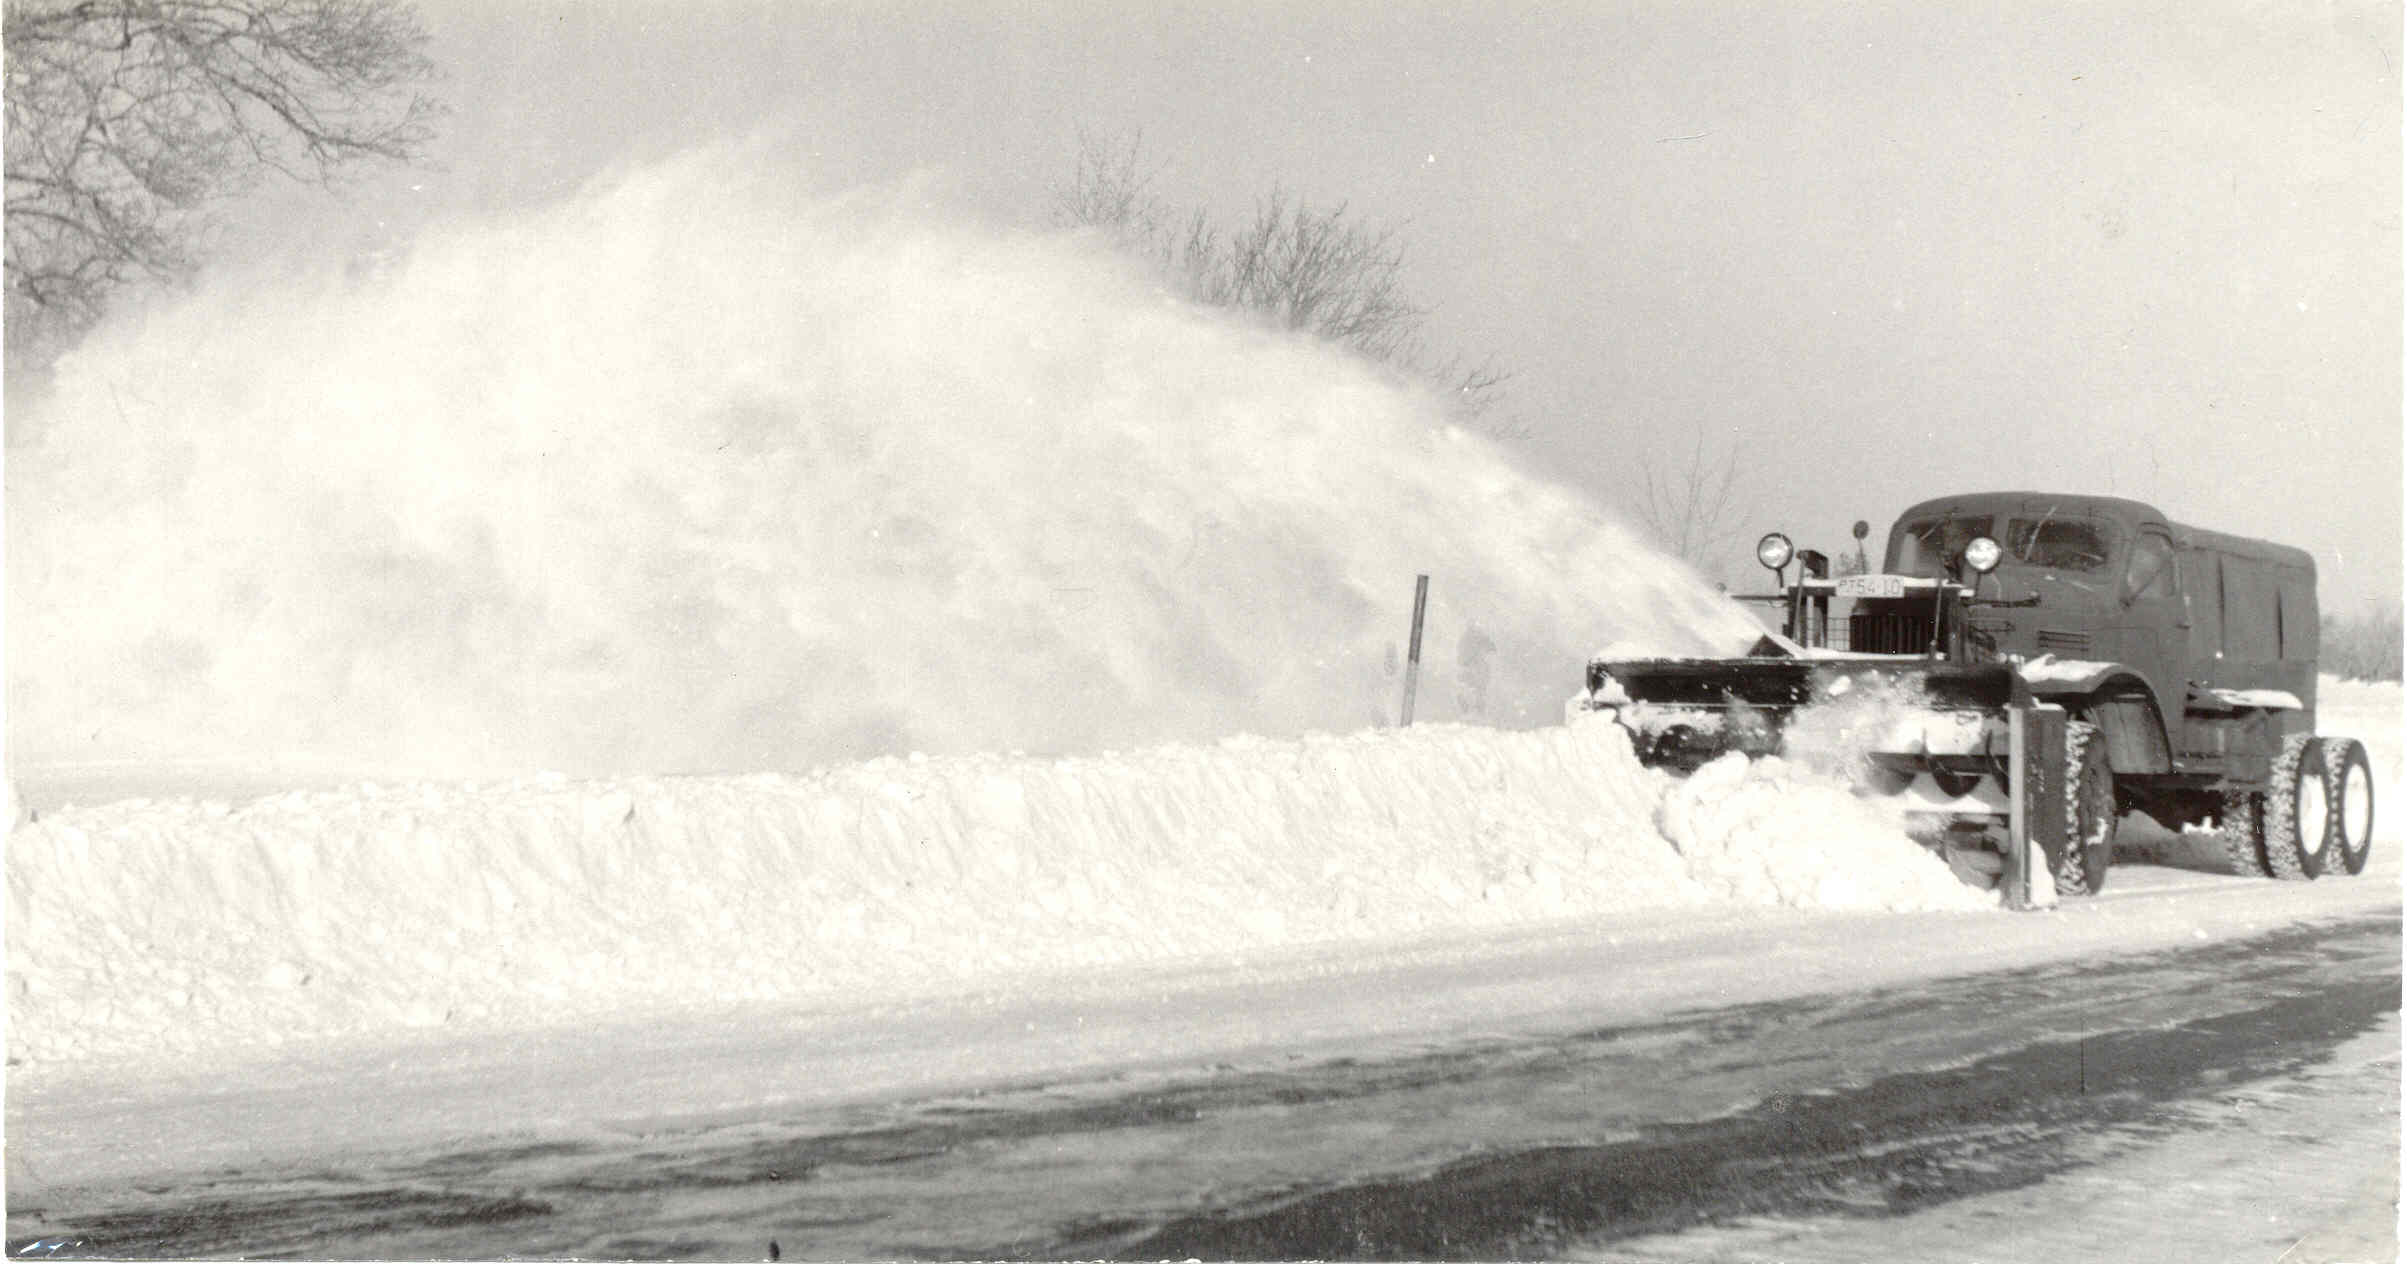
2114 698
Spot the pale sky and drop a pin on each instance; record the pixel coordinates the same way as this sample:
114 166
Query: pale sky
1886 250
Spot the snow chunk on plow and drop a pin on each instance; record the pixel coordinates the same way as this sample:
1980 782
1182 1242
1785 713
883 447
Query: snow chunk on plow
1854 717
1772 831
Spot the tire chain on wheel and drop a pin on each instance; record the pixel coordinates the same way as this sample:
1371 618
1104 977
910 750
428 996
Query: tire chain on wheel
2282 857
2340 754
2239 828
2071 872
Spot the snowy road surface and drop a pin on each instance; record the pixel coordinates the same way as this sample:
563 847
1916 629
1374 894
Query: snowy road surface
1427 1105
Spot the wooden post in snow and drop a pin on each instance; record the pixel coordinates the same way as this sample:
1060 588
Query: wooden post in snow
1412 660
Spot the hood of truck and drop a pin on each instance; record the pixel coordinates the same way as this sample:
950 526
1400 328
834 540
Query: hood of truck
2072 609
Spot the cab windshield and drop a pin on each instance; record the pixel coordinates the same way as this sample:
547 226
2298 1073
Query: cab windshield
1925 546
2059 544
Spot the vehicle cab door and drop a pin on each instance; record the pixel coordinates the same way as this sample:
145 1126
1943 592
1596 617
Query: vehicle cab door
2201 590
2154 624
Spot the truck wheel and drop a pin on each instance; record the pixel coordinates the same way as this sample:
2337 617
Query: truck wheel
2089 819
2241 826
2349 789
2298 813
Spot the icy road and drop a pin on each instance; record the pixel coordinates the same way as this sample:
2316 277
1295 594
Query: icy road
1721 1059
2242 1075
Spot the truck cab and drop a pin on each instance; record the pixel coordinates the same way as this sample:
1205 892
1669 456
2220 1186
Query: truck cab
2196 648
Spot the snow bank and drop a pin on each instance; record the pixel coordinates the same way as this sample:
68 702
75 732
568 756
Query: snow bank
2367 710
164 928
706 471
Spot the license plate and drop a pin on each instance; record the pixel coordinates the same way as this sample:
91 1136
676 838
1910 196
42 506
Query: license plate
1872 586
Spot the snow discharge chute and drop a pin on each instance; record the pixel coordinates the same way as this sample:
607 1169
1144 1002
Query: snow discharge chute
698 472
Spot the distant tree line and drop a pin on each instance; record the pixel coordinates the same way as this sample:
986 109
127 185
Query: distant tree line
2363 647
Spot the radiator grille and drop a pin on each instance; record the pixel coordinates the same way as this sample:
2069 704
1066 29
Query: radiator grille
1869 633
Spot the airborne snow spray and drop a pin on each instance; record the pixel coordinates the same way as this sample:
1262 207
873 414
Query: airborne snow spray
702 470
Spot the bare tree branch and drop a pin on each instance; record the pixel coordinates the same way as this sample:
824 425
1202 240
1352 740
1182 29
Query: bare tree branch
1316 271
127 118
1688 509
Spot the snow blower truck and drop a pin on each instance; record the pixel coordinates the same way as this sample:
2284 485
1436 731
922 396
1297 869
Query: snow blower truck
2068 659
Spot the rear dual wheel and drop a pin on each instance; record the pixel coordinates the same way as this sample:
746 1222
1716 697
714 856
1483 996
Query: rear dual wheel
2316 817
2349 794
2297 820
2319 812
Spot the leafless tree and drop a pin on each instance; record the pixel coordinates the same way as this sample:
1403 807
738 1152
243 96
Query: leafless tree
125 118
1315 270
1688 507
1319 271
1109 190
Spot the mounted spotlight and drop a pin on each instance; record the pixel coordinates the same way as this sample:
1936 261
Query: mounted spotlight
1774 551
1983 555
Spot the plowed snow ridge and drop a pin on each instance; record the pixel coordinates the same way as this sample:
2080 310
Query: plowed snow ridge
150 928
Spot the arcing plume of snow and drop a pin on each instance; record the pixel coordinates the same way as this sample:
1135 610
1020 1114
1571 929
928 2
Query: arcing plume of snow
164 929
700 471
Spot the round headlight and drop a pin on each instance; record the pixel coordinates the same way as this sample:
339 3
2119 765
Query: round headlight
1983 554
1774 551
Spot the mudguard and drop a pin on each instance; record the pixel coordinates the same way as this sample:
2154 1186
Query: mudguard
2114 698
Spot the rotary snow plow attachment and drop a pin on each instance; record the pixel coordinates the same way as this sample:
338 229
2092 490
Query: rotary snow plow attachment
1926 716
1684 713
1974 762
